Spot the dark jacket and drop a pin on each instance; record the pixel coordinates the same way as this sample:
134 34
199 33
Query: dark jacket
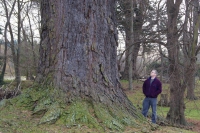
152 90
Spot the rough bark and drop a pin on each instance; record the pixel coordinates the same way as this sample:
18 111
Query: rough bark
164 100
191 85
177 84
78 51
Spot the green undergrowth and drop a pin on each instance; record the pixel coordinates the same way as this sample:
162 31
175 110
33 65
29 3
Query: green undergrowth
39 106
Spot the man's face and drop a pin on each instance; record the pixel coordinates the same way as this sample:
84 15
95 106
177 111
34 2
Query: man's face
153 73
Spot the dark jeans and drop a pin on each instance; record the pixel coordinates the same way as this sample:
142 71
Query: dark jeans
147 102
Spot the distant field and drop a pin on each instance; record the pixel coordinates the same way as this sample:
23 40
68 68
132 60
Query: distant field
13 77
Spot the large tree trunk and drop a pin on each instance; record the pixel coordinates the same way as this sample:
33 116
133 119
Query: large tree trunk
177 85
177 89
78 51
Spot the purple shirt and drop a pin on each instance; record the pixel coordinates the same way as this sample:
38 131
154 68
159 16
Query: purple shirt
152 90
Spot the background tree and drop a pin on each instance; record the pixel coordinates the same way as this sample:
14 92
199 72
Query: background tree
30 35
8 16
16 56
126 17
146 31
177 84
15 47
190 44
16 32
130 51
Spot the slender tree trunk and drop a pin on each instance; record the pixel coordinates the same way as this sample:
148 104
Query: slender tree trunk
5 48
127 26
5 56
160 47
191 85
27 56
17 68
15 51
14 55
135 53
192 53
161 59
32 44
125 73
78 51
8 16
137 21
130 62
177 85
139 7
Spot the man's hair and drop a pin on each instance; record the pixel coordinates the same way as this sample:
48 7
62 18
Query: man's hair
155 71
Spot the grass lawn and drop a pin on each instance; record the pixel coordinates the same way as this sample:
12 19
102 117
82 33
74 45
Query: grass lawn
18 120
192 111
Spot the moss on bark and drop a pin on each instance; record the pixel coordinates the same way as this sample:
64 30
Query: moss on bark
49 104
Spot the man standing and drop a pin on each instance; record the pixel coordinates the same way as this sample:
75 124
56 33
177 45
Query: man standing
152 87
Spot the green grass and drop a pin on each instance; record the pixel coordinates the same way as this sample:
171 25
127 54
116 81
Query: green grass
19 120
136 96
192 110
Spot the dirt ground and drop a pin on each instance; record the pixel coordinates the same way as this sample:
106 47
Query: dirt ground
195 125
